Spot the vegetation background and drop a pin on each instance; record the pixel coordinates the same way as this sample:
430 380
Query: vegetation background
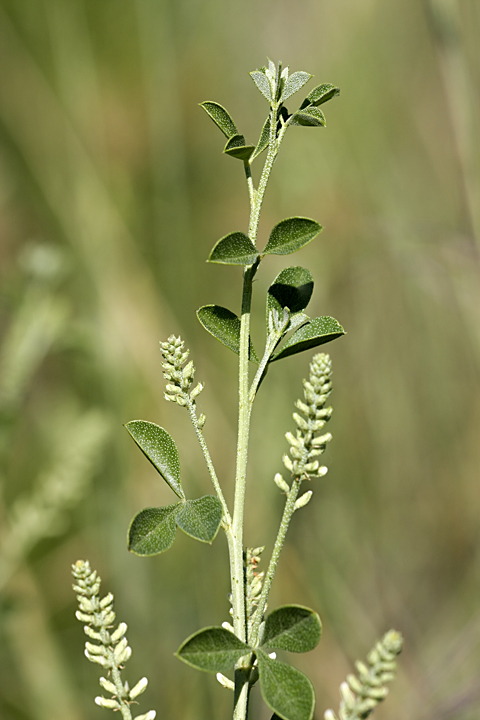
113 189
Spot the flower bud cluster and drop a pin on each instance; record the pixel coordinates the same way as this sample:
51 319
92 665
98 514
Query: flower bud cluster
253 580
179 376
361 694
307 445
110 649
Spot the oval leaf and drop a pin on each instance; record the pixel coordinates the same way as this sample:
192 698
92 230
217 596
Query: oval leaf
292 288
159 447
315 332
152 531
310 117
200 518
220 117
234 249
262 83
236 148
294 83
287 691
320 94
263 140
213 649
225 326
291 235
292 627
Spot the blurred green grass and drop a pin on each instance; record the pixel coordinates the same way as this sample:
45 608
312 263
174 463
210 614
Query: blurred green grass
109 166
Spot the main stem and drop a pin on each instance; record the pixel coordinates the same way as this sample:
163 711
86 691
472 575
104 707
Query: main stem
242 669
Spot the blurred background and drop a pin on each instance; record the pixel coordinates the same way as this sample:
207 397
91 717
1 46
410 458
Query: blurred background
113 189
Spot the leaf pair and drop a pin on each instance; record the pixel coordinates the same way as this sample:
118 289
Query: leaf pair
287 237
153 530
287 691
236 146
309 114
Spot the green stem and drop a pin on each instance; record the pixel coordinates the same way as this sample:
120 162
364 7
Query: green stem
226 521
242 669
277 549
116 677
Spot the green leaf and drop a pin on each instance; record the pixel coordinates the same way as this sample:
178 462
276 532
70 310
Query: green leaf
287 691
292 288
200 518
213 649
160 449
263 140
320 94
234 249
236 148
291 235
310 117
292 627
225 326
315 332
262 83
220 117
294 83
152 531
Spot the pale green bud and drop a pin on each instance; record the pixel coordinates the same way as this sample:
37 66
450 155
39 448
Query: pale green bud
196 391
329 715
280 483
347 696
99 659
119 632
107 600
150 715
288 463
83 617
107 703
91 633
109 619
139 688
303 500
201 421
366 706
225 682
95 649
312 467
302 424
378 693
355 684
108 686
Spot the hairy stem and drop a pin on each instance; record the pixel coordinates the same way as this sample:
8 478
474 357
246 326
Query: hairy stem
242 671
226 521
288 511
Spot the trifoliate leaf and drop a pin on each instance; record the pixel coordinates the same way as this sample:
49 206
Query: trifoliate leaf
220 117
225 326
152 531
200 518
291 235
315 332
262 83
213 649
294 83
310 117
287 691
234 249
292 627
159 447
292 289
